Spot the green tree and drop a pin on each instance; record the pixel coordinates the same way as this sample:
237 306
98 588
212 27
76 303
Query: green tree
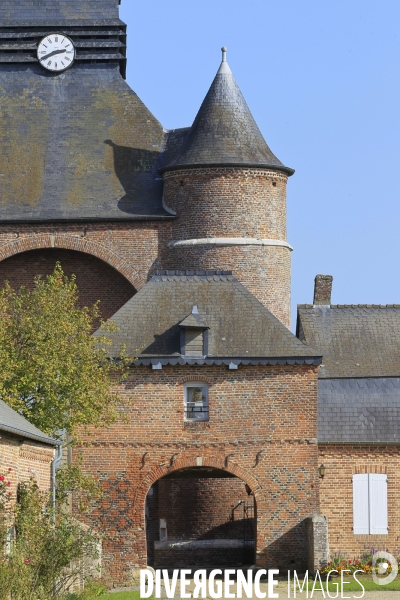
43 549
52 370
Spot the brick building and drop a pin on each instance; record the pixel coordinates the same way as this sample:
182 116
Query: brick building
358 418
181 235
24 449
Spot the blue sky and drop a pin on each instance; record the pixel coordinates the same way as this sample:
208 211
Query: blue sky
322 81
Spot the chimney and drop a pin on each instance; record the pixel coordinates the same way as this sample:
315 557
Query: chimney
323 290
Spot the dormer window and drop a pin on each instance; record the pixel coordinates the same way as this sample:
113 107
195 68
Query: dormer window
194 335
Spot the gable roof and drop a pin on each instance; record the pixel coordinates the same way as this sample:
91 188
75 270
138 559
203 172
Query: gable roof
241 329
355 340
12 422
224 131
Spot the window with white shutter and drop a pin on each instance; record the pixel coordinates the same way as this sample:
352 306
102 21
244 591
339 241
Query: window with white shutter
370 506
360 503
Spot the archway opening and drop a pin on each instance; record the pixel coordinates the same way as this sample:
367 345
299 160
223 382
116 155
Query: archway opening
200 517
96 280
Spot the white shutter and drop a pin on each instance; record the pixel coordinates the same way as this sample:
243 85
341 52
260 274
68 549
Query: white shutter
360 503
378 513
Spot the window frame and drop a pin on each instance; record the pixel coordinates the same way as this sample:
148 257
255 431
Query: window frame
206 404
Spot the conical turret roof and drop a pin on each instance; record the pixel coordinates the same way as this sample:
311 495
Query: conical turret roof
224 131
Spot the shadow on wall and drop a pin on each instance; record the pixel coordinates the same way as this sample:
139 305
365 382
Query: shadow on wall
136 170
286 552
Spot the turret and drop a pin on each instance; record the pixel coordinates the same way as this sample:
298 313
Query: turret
229 192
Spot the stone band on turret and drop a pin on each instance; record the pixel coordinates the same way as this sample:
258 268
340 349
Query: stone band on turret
228 241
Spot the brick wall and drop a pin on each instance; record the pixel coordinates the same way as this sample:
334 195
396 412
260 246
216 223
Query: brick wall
95 279
336 492
132 249
233 203
202 509
262 429
27 459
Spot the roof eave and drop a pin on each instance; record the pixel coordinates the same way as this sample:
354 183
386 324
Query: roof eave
269 166
223 360
37 438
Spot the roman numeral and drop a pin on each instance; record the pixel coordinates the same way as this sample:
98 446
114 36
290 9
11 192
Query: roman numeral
49 63
62 64
56 39
50 40
55 65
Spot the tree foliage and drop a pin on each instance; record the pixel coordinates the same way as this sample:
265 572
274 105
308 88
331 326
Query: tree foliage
53 371
43 550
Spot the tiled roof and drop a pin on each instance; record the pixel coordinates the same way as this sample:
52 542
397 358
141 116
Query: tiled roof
225 132
43 11
355 340
97 158
241 329
12 422
359 410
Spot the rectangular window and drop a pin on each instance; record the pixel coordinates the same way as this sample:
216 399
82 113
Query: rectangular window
196 402
370 505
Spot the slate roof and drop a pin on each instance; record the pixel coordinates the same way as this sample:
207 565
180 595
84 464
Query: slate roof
241 329
355 340
225 132
12 422
194 320
80 146
359 410
43 11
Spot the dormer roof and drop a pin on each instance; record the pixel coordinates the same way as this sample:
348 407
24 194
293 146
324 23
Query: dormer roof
194 320
224 132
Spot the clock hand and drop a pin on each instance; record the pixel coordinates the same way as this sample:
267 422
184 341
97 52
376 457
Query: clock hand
53 54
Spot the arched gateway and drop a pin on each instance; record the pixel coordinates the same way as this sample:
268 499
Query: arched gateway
200 512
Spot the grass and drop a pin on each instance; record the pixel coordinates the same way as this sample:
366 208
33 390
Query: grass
121 596
353 586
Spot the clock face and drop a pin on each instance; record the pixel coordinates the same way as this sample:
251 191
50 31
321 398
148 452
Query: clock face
56 52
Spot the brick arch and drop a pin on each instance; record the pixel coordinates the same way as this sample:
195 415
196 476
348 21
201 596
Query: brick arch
71 242
181 462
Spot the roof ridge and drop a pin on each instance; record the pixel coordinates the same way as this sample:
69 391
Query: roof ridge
348 306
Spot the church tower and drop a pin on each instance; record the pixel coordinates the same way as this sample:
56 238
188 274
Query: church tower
229 191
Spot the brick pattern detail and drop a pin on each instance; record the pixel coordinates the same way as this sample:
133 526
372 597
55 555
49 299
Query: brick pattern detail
250 434
231 202
336 493
27 459
130 248
95 279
